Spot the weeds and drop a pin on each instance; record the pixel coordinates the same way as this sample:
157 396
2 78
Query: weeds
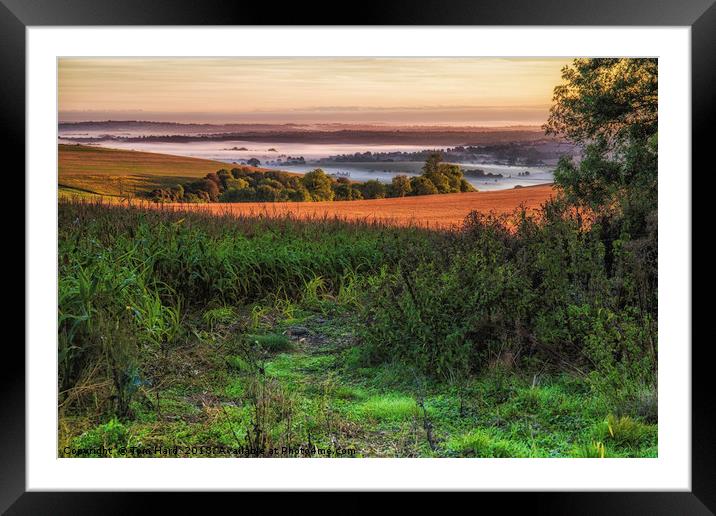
593 450
480 443
216 316
308 335
389 408
272 343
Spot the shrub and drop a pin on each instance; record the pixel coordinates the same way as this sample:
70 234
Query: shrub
345 191
299 195
465 186
400 186
373 189
318 185
450 311
547 290
421 185
267 193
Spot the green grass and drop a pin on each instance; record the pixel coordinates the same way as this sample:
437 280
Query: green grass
236 388
220 315
375 419
389 407
272 342
625 432
481 443
217 326
349 393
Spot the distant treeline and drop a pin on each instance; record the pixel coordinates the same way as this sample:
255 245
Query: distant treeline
478 172
513 153
245 184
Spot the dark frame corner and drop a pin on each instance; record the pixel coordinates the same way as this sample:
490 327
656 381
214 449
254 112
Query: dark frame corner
700 15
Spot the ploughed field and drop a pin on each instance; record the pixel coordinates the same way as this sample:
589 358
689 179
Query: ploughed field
442 210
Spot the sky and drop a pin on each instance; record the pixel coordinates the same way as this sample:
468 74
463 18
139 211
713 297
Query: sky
410 91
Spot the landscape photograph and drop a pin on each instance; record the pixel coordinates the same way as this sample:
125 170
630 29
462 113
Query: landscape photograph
357 257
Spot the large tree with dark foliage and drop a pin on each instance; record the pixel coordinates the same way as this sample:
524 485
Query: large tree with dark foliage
611 107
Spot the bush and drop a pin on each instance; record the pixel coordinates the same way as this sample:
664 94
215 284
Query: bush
373 189
421 185
318 185
465 186
619 347
515 286
267 193
400 186
345 191
299 195
450 311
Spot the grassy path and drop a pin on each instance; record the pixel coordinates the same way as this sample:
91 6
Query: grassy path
307 393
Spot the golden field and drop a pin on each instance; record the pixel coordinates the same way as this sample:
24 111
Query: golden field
433 211
98 170
99 173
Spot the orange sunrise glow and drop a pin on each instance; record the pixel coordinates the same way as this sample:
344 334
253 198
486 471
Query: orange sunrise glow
436 90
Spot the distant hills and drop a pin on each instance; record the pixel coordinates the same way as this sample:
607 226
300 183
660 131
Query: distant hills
149 131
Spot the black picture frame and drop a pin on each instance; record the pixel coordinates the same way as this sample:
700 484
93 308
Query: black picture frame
700 15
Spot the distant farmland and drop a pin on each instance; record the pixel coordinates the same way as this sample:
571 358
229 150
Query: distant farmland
434 211
87 172
96 170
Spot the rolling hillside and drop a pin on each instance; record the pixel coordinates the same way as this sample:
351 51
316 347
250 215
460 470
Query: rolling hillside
96 170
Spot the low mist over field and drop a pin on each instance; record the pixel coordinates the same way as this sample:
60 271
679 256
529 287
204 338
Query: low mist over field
508 156
358 118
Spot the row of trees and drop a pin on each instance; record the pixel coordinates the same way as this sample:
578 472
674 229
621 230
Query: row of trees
523 153
244 184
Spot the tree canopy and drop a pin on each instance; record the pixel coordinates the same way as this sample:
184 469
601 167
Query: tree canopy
244 184
609 100
610 106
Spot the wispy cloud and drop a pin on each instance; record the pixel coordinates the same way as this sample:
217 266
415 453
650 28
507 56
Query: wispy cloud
323 88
